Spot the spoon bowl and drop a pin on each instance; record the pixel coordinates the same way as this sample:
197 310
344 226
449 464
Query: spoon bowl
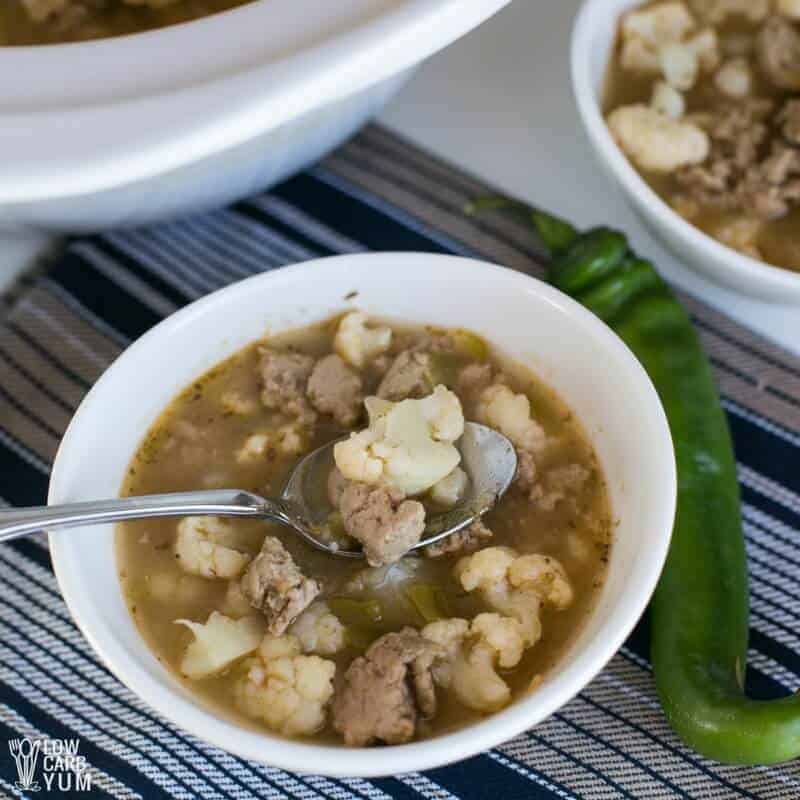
488 458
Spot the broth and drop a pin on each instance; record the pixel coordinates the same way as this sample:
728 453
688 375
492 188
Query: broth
193 446
82 22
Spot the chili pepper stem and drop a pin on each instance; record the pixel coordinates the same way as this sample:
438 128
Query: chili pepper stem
556 234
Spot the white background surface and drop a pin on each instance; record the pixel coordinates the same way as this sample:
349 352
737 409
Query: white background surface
499 104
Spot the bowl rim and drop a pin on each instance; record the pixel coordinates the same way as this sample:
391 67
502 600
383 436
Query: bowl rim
583 79
253 89
346 762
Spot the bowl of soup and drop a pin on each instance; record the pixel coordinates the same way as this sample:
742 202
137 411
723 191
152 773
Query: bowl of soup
245 636
693 108
165 108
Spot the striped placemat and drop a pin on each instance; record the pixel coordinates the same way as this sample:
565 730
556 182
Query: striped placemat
376 193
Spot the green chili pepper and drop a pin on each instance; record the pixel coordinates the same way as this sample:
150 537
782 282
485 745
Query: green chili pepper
590 258
356 612
700 608
362 619
469 344
443 368
428 600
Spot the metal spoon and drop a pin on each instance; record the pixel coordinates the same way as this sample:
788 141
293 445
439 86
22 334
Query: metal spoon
486 456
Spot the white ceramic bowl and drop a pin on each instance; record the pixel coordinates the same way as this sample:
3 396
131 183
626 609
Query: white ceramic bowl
593 38
143 127
568 347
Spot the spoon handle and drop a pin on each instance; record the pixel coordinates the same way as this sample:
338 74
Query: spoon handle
218 503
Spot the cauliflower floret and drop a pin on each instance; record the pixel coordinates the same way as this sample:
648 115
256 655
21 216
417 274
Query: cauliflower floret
287 440
473 653
236 403
408 445
502 635
646 31
543 575
203 546
656 142
789 8
665 22
655 40
734 78
510 414
292 439
254 448
356 343
449 634
705 45
637 55
219 642
319 631
681 62
286 690
445 416
679 65
486 568
450 489
516 585
667 100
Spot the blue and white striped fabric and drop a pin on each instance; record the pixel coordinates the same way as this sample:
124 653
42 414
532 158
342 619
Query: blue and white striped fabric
67 324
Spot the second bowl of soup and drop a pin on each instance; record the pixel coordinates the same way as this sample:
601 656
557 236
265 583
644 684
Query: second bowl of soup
692 108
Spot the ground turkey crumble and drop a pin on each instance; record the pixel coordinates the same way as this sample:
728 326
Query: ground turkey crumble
387 689
754 164
274 585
